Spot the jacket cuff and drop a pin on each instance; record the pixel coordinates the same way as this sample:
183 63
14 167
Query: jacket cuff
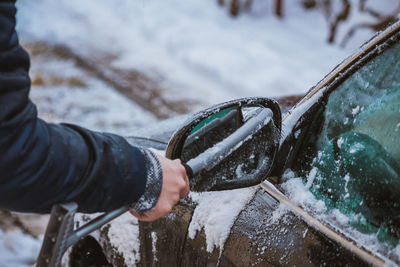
153 186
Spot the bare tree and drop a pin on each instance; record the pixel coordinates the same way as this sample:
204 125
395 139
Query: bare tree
382 21
234 8
279 8
334 19
237 6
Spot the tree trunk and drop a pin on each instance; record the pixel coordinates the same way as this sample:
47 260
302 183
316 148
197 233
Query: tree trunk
234 8
279 8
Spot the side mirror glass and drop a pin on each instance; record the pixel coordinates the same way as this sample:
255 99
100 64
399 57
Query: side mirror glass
230 145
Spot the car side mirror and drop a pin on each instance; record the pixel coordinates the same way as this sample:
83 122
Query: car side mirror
227 146
230 145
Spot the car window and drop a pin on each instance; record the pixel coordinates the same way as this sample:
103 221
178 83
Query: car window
350 157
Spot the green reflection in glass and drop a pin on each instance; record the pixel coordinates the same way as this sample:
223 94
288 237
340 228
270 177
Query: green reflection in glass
355 161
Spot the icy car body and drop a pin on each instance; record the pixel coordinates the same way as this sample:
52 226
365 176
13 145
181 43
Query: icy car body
338 169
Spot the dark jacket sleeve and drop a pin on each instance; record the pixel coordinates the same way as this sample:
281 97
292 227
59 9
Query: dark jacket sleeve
42 164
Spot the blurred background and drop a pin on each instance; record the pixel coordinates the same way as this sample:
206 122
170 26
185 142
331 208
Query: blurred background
122 65
119 65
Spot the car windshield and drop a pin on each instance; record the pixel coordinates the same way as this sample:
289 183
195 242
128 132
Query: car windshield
349 160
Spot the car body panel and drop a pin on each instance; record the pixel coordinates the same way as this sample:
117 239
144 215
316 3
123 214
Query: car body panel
255 239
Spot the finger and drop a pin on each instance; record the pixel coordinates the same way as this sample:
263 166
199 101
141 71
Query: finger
142 217
186 193
185 190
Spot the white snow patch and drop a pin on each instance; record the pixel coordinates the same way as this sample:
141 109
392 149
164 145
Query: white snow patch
216 212
278 213
297 133
96 106
355 110
154 239
311 177
340 142
124 236
18 249
299 194
356 147
397 127
305 233
340 217
193 47
288 174
397 252
290 119
347 179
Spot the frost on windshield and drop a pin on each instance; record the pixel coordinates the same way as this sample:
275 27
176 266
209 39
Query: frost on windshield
352 157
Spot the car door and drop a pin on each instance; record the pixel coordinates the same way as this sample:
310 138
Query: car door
341 143
348 154
265 233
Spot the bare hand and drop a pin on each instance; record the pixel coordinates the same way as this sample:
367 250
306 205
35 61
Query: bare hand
175 186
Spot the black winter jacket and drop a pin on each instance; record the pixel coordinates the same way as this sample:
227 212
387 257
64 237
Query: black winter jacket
42 164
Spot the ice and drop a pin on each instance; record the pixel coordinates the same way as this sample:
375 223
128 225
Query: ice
355 110
292 117
356 147
278 213
347 179
340 142
154 239
300 195
296 134
311 177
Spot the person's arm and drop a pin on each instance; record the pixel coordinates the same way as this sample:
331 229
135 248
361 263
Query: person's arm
43 164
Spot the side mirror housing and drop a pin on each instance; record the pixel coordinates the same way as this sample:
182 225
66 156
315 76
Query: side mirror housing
230 145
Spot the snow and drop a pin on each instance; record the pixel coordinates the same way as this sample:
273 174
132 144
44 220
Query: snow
192 47
355 110
218 220
300 195
18 249
154 239
124 232
95 105
213 155
311 177
278 213
194 51
356 147
347 179
340 142
289 121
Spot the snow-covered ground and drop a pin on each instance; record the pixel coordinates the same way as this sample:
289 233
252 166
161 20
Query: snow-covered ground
193 49
17 249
